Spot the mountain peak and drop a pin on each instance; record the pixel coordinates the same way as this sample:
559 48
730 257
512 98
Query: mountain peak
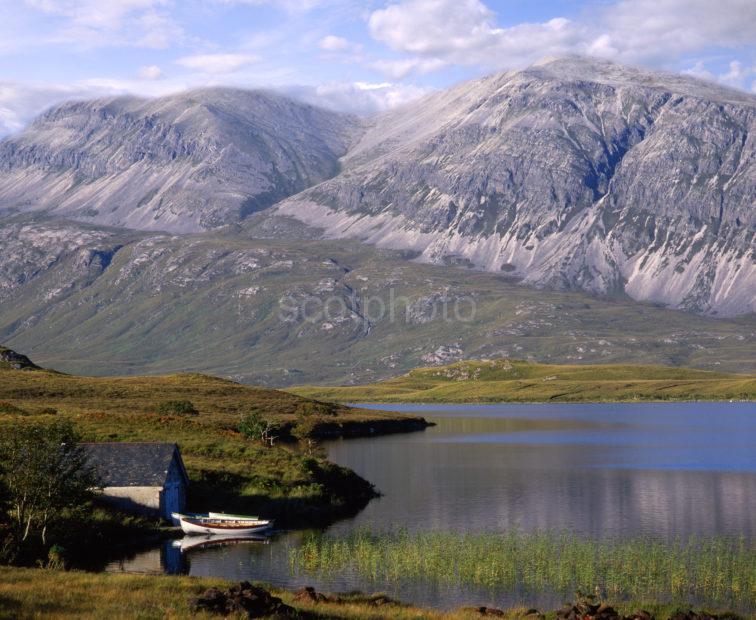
601 70
182 163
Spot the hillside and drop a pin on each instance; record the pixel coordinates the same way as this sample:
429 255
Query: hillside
224 467
517 381
570 174
182 163
93 300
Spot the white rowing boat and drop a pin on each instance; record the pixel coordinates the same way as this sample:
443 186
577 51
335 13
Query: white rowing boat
237 525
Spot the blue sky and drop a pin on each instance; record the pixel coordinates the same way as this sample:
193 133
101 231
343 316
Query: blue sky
360 56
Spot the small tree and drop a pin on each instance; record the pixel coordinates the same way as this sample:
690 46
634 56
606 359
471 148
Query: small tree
304 431
46 472
254 426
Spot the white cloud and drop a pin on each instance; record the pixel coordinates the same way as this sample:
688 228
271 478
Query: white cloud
20 102
423 28
699 70
399 69
360 98
737 75
217 63
332 43
96 23
151 72
656 32
434 26
290 6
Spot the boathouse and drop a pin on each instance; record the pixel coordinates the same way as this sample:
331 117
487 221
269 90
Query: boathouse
143 478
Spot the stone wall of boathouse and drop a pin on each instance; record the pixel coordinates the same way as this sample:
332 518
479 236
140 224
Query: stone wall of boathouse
136 500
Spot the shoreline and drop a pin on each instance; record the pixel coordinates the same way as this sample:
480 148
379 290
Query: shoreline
79 594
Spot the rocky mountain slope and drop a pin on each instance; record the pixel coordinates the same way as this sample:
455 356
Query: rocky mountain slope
182 163
572 174
96 300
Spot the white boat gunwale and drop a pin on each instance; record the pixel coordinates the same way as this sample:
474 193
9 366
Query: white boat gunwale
192 524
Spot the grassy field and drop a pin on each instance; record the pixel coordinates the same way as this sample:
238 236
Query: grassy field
225 468
518 381
34 593
719 571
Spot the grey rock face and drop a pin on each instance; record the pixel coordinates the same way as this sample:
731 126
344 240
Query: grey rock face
572 174
182 164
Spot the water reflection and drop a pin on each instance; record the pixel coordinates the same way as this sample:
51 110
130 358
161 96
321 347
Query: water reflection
596 470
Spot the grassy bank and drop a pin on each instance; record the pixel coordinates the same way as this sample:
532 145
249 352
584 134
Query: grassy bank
518 381
34 593
226 469
719 571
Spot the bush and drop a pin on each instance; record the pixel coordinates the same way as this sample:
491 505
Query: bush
254 426
177 407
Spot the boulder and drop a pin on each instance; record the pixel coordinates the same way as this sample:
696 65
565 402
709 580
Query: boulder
243 598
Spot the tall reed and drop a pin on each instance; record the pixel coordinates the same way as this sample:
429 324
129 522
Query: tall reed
716 570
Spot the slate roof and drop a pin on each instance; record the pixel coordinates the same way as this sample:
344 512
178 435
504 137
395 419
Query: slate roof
122 464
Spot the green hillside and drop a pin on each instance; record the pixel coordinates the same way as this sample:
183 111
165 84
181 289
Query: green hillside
517 381
225 468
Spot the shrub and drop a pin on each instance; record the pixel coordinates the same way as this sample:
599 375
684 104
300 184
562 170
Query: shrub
254 426
177 407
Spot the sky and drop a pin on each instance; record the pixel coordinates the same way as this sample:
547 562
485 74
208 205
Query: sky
358 56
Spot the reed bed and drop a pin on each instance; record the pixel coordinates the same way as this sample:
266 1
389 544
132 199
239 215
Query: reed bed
710 570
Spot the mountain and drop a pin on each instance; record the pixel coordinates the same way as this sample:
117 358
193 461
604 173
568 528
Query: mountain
105 301
182 163
571 174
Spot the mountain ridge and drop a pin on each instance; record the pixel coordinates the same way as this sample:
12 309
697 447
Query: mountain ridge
571 174
609 186
182 163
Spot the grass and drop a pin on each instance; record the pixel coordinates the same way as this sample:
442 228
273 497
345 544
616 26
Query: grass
224 467
718 570
518 381
35 593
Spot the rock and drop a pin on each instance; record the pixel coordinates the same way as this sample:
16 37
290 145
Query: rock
15 361
485 611
309 595
702 615
242 598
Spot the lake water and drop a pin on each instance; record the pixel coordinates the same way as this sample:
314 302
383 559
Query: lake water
598 470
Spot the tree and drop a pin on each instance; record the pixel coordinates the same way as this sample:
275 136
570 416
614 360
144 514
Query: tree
46 473
304 431
254 426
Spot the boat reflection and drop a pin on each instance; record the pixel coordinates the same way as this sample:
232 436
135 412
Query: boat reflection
217 540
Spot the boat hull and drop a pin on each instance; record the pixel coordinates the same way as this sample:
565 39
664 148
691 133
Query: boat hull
222 527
